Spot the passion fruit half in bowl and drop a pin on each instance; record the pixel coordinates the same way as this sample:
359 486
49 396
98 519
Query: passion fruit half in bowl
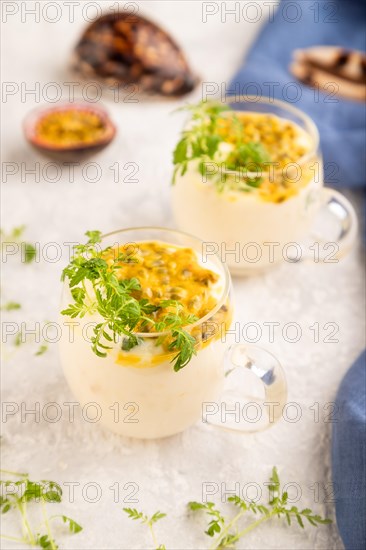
70 131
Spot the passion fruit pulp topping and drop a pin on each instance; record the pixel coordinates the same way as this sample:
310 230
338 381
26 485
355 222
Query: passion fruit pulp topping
70 128
168 272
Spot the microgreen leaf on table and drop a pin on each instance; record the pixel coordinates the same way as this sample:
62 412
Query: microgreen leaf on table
18 495
227 531
29 251
10 306
147 520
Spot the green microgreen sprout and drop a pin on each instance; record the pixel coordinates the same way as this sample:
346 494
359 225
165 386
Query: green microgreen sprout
96 289
29 251
226 531
201 141
149 521
18 495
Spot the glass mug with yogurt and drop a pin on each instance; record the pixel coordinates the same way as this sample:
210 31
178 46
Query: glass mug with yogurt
259 198
135 388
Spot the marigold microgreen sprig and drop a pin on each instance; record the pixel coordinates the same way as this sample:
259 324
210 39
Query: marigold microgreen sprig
201 140
96 289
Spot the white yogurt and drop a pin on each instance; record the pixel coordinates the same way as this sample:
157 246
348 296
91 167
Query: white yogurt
152 401
231 221
248 232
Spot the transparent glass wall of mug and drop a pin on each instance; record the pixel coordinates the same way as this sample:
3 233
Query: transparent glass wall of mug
258 216
137 392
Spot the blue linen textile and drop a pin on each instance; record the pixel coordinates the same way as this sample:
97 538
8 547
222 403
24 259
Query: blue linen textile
341 122
349 456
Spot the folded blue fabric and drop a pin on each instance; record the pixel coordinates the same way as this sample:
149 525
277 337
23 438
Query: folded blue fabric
349 456
302 24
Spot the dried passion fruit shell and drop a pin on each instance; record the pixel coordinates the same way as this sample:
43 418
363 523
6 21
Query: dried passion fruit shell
69 131
124 48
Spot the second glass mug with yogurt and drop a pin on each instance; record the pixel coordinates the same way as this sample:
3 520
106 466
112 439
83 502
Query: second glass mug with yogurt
137 391
253 227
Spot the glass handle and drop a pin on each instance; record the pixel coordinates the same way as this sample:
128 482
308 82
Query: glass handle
342 219
241 409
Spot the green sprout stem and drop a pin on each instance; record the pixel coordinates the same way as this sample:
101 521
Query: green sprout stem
26 528
153 536
14 539
11 473
245 531
226 530
33 492
47 525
